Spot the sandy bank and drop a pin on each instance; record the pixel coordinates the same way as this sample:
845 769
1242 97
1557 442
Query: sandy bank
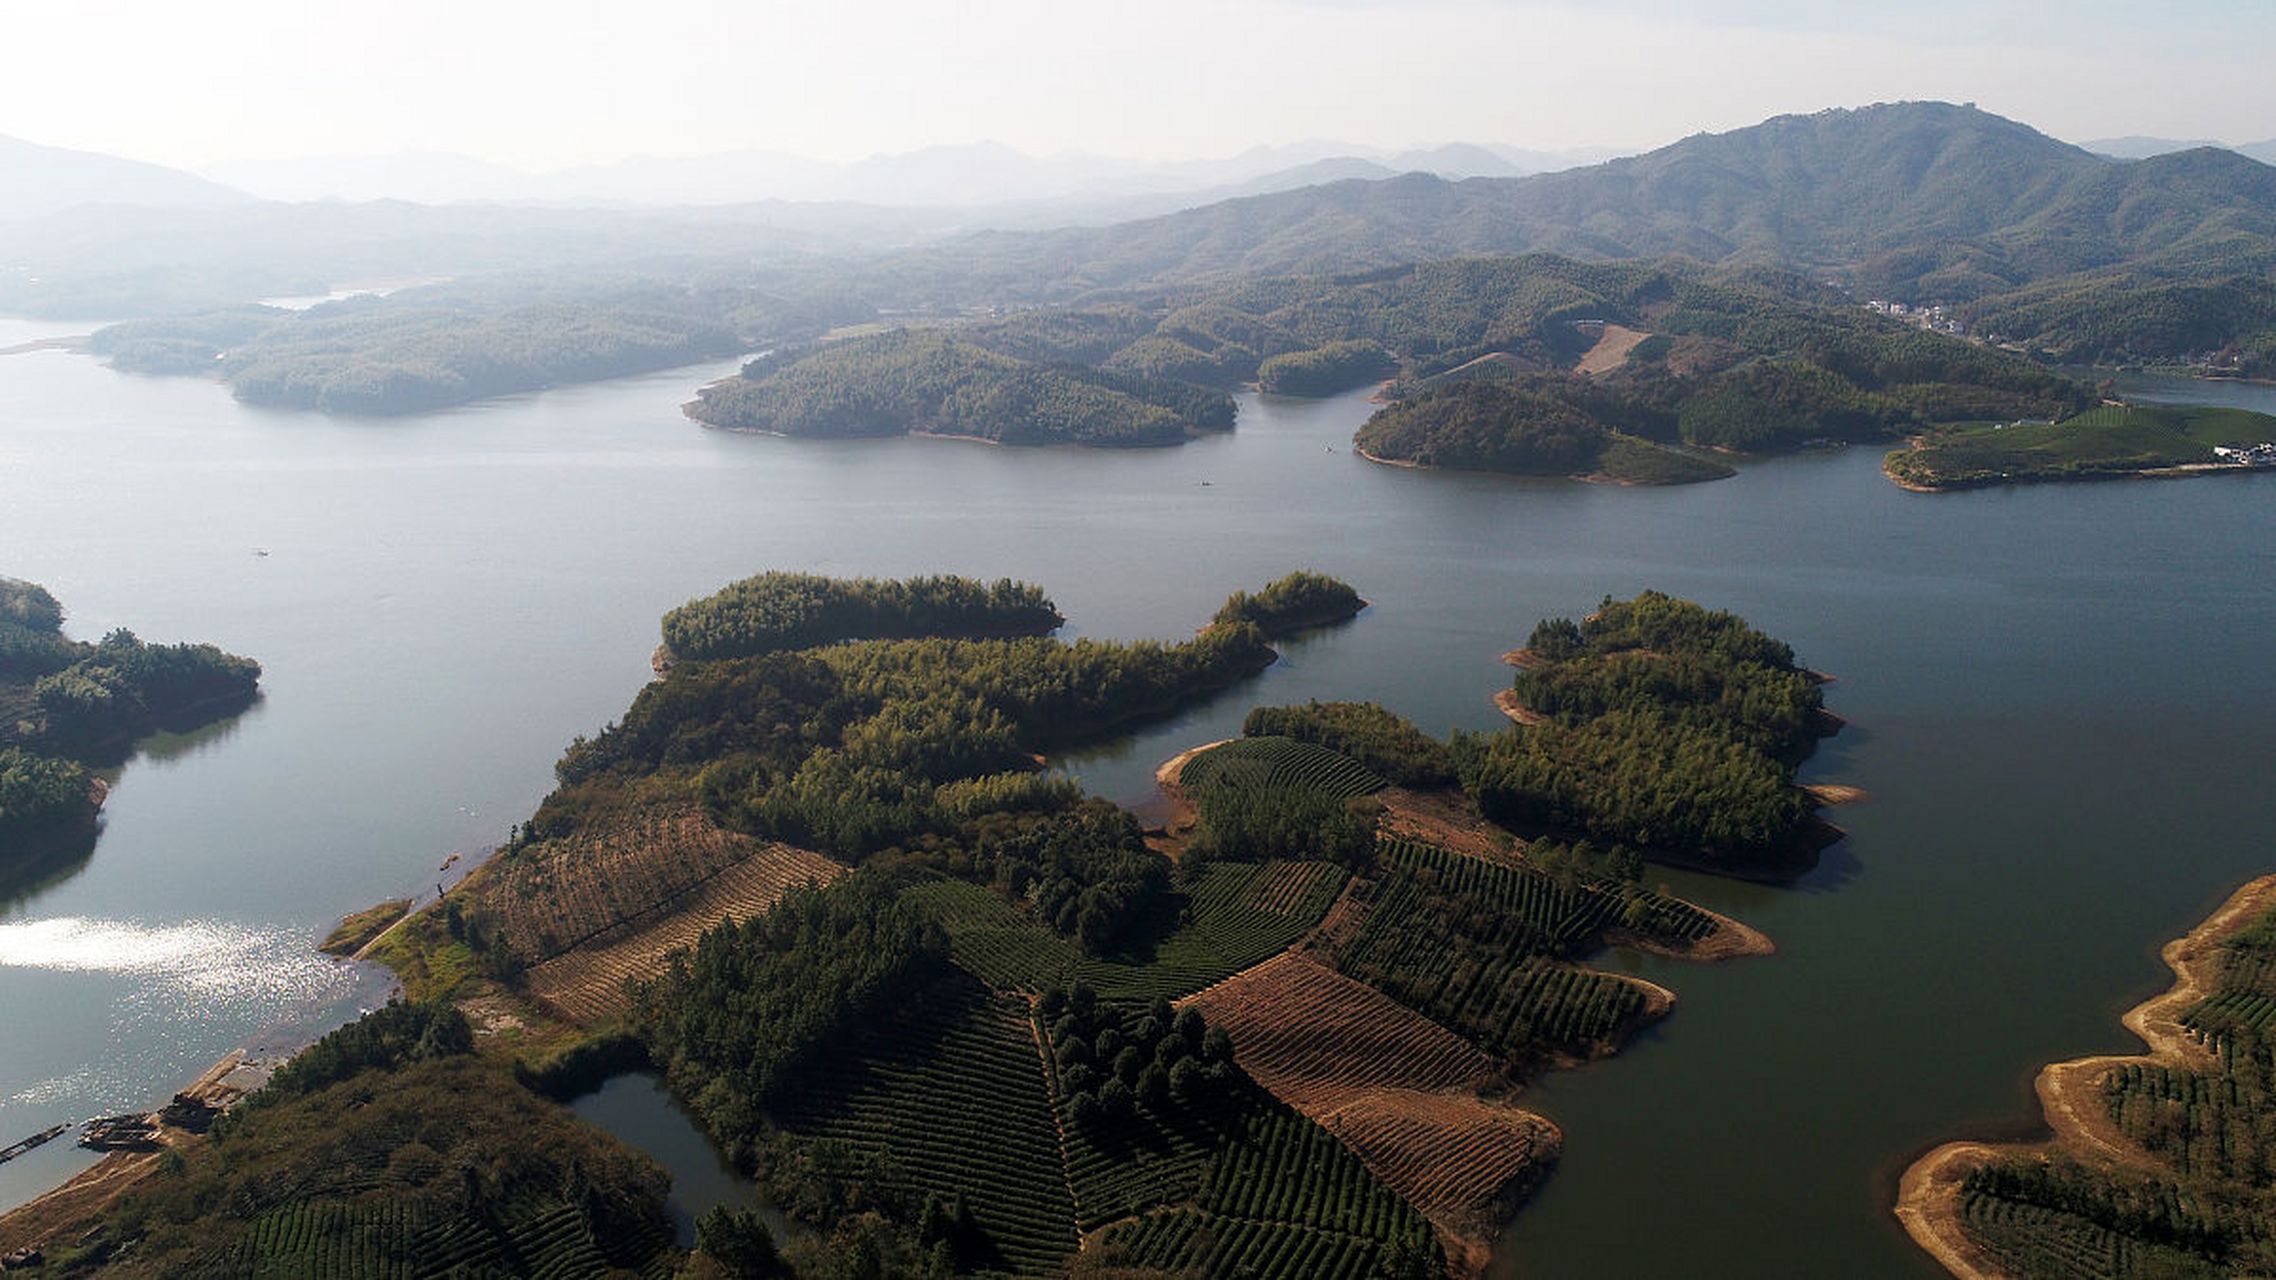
1514 707
42 1219
2070 1096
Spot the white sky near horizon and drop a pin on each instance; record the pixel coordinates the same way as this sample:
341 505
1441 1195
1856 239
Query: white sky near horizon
563 82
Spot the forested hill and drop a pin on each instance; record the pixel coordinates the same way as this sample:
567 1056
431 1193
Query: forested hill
447 344
1834 188
1659 352
2035 240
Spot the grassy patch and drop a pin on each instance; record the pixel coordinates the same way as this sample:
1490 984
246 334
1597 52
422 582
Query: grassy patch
2110 440
429 963
359 929
1633 461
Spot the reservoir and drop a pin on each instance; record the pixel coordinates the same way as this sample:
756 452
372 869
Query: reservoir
2063 701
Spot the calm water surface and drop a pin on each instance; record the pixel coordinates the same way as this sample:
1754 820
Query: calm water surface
2061 699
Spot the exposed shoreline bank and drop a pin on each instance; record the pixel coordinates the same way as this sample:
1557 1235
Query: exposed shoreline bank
1929 1192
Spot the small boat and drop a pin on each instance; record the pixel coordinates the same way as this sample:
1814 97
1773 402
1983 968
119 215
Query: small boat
39 1139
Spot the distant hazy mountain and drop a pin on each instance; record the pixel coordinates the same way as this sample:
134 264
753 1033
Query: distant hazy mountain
2141 148
423 177
1899 194
2137 147
974 175
37 180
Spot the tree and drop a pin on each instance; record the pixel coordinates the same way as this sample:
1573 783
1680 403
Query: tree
738 1240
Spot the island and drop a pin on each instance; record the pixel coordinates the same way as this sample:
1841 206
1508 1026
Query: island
951 1014
70 708
911 382
1633 372
2159 1162
2111 441
442 345
1658 725
1521 430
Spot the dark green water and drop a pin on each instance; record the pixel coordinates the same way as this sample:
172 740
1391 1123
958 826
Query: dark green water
638 1109
2062 701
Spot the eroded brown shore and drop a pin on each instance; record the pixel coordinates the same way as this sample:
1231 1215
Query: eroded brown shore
1929 1193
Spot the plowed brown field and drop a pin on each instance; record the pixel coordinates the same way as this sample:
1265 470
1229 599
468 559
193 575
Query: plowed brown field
587 983
563 893
1398 1089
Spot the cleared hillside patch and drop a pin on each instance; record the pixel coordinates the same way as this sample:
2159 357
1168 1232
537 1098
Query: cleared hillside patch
589 983
1398 1089
1237 915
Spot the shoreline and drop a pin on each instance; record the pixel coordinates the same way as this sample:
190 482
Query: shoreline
37 1221
1574 477
1514 707
1928 1192
2177 471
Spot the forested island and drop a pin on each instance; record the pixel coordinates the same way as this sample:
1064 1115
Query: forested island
1536 365
931 383
953 1015
442 345
2159 1164
2106 442
69 707
1658 725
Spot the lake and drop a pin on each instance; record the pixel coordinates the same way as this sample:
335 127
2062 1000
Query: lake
2062 700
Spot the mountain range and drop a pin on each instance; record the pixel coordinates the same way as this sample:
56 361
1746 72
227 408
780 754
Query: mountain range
2136 147
1926 202
37 180
979 174
2039 241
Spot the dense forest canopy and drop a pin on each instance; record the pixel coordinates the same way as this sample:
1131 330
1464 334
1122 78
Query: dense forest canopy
441 345
67 704
781 610
1300 600
934 383
1670 728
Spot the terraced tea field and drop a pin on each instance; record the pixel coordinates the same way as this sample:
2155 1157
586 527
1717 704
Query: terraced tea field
589 983
1398 1089
952 1092
557 894
1279 762
1238 914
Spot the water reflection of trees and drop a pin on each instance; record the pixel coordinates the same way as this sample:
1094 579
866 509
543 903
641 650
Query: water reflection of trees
45 861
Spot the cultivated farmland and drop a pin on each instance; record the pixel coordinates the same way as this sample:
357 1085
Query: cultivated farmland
589 983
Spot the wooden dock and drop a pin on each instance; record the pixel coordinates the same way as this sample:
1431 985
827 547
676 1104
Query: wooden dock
41 1138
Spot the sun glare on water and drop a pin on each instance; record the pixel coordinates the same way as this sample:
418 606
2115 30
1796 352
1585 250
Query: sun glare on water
203 960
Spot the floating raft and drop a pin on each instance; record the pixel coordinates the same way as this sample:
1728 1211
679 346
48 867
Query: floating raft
10 1152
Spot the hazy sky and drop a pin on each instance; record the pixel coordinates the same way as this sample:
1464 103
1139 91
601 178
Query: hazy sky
558 82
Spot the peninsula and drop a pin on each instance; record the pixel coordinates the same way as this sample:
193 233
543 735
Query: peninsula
69 708
1103 1040
2159 1161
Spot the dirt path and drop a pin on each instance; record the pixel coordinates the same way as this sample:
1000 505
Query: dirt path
2070 1095
1611 350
